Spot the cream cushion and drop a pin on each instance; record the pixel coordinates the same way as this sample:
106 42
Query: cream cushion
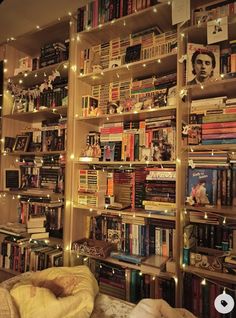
35 301
7 306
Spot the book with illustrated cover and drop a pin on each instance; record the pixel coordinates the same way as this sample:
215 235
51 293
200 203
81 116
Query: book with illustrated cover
202 186
203 63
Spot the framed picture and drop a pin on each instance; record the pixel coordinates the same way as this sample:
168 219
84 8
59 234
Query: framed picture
133 53
21 143
20 105
11 179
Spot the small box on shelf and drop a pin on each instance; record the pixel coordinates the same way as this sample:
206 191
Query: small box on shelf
94 248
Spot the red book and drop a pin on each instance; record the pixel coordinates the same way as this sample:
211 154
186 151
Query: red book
225 130
219 136
219 125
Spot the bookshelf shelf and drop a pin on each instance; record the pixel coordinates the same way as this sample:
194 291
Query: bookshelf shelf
126 163
146 18
134 213
198 33
39 115
159 65
154 270
229 147
33 153
229 211
222 277
37 193
31 42
140 115
9 271
220 87
38 76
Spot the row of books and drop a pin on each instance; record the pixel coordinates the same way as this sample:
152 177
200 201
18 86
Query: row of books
20 255
211 186
126 96
149 140
50 53
53 53
40 214
212 236
100 11
151 188
130 284
43 178
101 57
199 297
135 236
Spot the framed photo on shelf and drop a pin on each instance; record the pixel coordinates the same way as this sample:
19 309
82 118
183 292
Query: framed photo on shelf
19 105
21 143
203 63
11 179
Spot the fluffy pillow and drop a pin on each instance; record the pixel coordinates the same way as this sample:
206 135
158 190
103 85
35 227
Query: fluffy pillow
38 302
61 286
7 308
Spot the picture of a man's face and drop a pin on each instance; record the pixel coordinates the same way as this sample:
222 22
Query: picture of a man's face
203 67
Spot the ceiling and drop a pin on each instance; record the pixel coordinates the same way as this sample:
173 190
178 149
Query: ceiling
18 17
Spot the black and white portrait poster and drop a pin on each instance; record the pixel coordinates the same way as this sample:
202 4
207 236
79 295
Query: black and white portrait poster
203 63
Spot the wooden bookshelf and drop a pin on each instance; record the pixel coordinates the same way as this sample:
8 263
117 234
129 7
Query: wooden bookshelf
218 276
76 224
220 87
162 64
36 153
14 124
32 78
39 115
198 33
134 115
83 160
229 211
135 213
160 14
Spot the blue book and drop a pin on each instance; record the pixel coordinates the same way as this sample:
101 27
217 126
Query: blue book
134 259
218 141
201 186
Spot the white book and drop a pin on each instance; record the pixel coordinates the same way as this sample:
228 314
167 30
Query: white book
38 236
36 230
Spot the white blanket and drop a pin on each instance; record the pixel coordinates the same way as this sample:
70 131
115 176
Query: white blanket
158 308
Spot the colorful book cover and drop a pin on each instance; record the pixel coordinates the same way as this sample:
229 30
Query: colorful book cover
109 151
201 186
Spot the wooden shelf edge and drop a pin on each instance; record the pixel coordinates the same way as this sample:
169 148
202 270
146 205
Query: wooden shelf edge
211 275
133 213
229 211
123 115
47 110
144 268
124 66
10 271
32 153
125 163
